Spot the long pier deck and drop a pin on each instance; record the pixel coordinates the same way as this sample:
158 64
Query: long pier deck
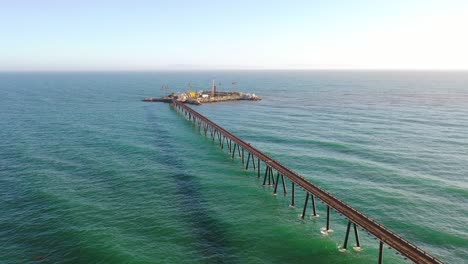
355 217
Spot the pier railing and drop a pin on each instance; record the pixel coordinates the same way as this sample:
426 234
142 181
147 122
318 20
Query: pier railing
355 217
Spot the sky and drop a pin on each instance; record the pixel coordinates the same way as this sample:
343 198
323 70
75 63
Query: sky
91 35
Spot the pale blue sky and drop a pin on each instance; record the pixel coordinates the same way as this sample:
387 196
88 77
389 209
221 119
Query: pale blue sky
155 35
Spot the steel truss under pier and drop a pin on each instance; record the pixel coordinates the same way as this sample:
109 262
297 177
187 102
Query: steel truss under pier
255 158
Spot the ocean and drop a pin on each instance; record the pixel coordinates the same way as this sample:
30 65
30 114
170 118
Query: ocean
91 174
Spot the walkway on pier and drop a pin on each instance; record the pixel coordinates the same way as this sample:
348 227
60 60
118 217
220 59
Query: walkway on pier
383 234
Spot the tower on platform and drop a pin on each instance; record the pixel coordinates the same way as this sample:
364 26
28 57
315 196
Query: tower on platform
213 89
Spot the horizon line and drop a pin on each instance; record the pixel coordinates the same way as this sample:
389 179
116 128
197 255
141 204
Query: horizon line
227 69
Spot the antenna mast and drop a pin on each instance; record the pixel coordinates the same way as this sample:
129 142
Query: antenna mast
213 89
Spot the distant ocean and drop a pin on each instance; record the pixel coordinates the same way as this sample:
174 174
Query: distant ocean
90 174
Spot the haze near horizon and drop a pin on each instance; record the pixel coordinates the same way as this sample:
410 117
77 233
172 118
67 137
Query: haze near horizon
186 35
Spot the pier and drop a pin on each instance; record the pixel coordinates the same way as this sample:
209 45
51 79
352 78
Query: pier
257 160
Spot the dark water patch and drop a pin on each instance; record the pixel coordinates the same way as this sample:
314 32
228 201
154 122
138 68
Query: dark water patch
213 244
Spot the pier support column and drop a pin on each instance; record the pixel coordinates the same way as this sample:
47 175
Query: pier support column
252 159
284 185
270 175
305 205
276 184
328 218
253 162
345 244
243 156
273 177
233 151
248 160
381 252
293 204
356 235
266 173
314 209
258 168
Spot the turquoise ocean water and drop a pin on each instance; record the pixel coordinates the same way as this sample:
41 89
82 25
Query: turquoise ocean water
90 174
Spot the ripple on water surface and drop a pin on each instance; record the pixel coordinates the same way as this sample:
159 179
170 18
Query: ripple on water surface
103 177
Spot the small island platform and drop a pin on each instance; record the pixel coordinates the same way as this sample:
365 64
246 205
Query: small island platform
201 97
